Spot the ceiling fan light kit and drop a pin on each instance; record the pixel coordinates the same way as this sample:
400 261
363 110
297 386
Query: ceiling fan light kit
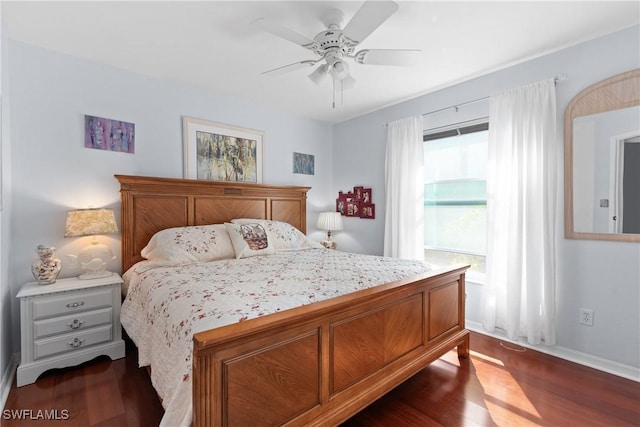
334 45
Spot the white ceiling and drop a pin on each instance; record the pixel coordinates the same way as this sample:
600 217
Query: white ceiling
211 44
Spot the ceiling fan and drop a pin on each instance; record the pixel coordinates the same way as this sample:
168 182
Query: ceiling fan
336 44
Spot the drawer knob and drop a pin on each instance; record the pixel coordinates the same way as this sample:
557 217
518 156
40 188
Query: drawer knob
75 324
76 343
75 304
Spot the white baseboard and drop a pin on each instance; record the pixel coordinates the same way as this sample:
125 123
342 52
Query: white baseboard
585 359
7 378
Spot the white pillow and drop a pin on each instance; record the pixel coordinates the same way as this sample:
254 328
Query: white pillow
190 244
249 239
284 236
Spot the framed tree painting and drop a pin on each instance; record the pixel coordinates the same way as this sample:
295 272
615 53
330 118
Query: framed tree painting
220 152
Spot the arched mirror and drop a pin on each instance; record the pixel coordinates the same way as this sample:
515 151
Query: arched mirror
602 161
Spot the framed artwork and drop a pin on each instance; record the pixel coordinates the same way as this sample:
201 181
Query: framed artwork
304 163
220 152
368 210
109 135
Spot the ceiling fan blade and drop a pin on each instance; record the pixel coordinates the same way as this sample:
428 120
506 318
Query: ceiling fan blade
399 57
369 17
283 32
290 67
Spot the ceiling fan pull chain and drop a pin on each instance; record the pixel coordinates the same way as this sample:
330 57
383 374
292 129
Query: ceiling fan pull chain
334 93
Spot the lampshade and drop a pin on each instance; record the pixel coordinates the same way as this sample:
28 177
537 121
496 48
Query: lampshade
94 258
331 221
339 70
319 74
89 222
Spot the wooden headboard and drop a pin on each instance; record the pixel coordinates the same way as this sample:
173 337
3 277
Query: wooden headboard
152 204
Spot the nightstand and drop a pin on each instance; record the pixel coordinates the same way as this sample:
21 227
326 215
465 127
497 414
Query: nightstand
67 323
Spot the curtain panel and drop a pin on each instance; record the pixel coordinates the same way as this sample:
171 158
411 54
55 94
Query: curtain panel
521 210
404 182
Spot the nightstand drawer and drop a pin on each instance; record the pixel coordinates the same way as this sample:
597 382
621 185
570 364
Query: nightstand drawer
72 322
70 342
72 302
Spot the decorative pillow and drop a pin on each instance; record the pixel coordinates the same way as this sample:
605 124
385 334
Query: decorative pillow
249 239
197 243
284 236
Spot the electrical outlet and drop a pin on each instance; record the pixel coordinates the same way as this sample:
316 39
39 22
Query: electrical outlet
586 316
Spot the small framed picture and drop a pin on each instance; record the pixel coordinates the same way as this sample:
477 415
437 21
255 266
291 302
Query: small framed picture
366 195
352 208
357 193
349 197
304 163
340 205
368 210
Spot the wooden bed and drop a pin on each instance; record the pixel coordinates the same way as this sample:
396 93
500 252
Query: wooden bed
314 365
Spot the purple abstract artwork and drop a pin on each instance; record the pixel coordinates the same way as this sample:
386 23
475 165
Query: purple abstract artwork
110 135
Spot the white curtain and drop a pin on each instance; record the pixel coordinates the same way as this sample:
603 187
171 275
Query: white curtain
521 210
404 179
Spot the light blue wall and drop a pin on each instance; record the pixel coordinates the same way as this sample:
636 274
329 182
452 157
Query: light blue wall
52 172
603 276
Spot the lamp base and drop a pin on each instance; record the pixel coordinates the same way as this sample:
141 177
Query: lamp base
94 275
329 244
93 259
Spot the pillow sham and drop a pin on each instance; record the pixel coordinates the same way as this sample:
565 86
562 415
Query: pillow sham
190 244
284 236
250 239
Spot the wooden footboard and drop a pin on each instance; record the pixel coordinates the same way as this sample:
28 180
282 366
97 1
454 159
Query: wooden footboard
320 364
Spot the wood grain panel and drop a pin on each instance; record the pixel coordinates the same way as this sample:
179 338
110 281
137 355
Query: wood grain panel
153 213
289 211
403 328
274 384
443 309
214 210
356 349
362 345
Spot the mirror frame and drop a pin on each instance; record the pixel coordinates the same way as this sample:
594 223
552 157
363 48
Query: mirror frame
614 93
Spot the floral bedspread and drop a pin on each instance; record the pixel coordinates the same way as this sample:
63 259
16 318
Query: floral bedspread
166 305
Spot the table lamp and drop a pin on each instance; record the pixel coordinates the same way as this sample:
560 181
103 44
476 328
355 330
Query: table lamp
94 258
330 221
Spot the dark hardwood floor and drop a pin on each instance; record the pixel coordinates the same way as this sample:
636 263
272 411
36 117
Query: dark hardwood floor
497 386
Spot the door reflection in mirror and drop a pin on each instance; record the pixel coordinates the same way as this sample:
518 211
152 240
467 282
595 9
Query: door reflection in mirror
606 168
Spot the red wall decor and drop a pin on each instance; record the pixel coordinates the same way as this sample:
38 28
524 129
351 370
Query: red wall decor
356 203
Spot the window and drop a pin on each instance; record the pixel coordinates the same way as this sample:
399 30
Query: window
455 196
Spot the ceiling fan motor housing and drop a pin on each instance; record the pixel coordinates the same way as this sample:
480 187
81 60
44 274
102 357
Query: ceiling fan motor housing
332 40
